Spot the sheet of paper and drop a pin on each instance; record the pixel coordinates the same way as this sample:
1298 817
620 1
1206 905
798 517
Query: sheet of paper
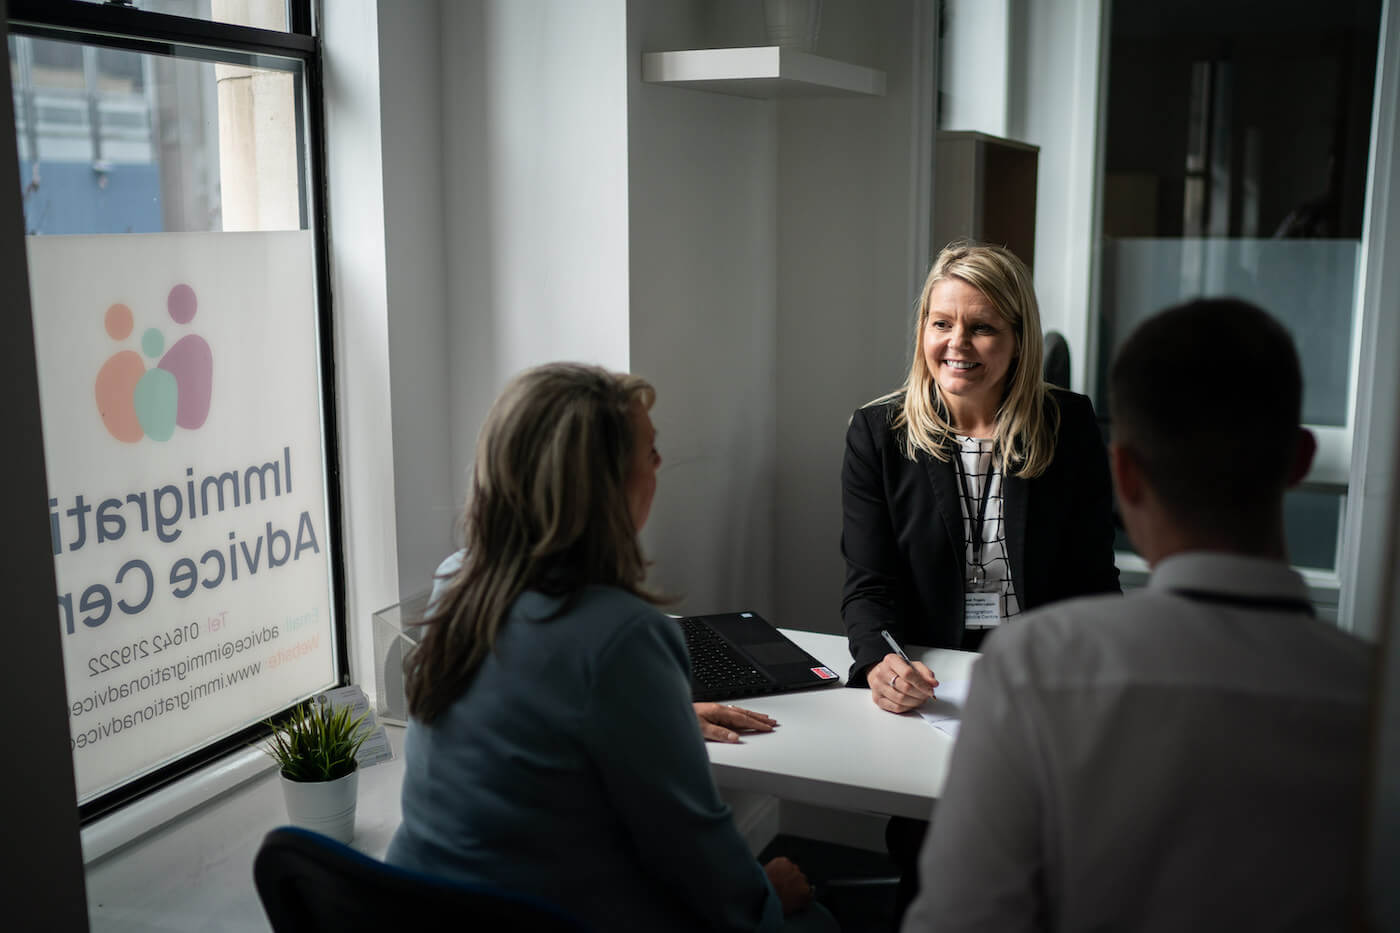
945 709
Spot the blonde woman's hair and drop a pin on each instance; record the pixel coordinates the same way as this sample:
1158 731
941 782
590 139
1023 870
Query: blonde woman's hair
1028 418
548 511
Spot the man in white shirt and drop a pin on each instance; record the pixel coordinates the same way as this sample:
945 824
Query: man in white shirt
1191 755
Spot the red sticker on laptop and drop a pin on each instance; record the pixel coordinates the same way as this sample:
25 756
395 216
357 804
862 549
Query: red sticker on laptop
825 673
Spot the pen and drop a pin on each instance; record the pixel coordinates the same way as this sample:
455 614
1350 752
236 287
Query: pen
889 639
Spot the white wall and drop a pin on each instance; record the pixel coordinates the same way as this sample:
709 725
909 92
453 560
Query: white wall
534 117
973 86
703 320
753 259
775 248
851 254
411 92
355 189
1057 57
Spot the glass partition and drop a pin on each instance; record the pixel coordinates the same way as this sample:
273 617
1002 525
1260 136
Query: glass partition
1309 285
1236 150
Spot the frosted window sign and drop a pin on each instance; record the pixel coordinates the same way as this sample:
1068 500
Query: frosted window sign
173 286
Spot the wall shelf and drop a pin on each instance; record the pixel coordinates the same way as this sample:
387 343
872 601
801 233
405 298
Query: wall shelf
762 72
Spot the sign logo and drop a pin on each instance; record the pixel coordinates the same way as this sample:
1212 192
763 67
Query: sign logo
137 402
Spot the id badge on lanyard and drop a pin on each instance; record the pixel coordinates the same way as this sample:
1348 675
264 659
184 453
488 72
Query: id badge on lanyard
981 599
981 609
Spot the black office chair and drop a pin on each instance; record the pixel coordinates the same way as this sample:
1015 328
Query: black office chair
310 883
1056 370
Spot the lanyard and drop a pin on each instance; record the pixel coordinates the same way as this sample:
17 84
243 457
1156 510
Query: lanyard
1279 603
976 525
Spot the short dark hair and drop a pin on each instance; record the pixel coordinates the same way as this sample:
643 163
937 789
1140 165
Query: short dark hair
1208 396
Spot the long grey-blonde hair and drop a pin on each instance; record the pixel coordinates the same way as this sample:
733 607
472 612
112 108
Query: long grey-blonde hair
1028 419
548 511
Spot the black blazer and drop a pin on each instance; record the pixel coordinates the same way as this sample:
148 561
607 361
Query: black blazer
902 532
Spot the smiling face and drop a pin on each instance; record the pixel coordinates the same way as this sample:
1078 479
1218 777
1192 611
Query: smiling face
968 348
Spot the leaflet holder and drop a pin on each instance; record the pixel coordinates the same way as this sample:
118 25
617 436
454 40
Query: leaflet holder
395 637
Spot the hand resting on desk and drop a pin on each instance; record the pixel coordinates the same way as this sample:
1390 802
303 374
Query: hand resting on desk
722 723
899 687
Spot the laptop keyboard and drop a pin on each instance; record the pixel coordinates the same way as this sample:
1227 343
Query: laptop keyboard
715 667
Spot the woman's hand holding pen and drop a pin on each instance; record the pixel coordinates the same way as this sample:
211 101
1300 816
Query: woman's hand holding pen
898 685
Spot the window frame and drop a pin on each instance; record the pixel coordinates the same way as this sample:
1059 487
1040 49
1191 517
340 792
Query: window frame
127 29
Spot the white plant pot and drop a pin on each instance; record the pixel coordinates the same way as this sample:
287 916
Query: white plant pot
327 807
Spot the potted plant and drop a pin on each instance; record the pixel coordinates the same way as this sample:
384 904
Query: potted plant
314 748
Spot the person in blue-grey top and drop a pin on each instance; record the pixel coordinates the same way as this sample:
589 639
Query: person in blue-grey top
553 749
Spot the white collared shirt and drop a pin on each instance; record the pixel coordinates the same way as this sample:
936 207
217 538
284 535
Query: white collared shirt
1157 762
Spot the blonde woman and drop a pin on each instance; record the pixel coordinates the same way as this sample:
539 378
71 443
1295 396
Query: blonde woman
972 494
553 749
975 492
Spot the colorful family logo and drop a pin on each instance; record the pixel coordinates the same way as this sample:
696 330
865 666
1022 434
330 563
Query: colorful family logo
137 402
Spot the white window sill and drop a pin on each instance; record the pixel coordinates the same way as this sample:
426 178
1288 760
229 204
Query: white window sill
172 802
190 866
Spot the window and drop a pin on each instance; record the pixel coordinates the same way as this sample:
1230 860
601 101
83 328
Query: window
169 179
262 15
1235 163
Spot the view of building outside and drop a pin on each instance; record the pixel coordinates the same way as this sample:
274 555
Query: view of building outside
118 142
263 14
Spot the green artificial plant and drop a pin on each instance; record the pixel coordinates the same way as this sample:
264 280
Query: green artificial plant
316 742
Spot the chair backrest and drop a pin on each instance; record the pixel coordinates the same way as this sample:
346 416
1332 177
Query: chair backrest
1056 369
310 883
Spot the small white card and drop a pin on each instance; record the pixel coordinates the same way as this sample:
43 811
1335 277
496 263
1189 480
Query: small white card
349 695
375 747
982 609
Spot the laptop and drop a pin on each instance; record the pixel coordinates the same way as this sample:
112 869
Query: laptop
738 654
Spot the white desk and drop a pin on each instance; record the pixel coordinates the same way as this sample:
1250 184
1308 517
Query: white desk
835 748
